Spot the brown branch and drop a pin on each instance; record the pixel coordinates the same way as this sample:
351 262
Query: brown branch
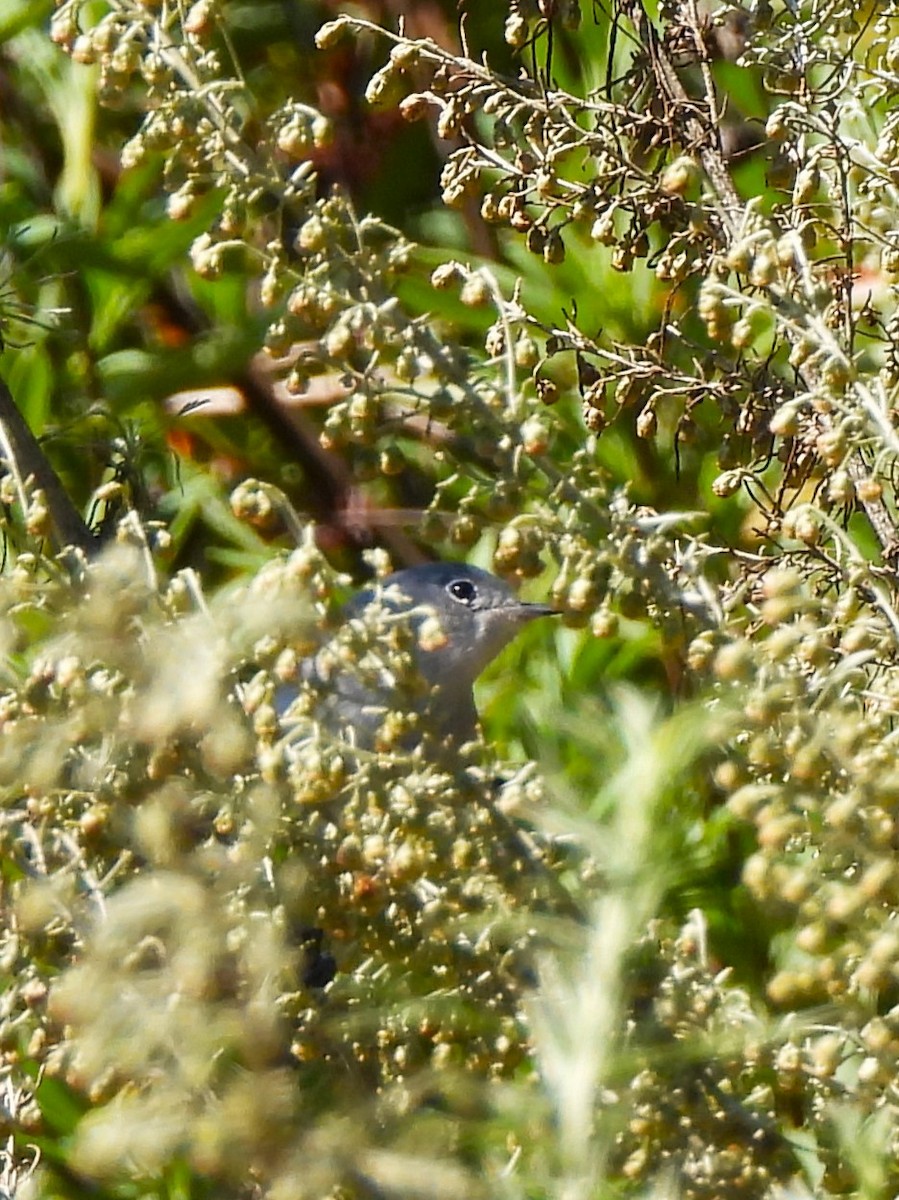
30 460
730 210
876 511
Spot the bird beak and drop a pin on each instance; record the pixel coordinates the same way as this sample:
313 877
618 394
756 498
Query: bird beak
529 611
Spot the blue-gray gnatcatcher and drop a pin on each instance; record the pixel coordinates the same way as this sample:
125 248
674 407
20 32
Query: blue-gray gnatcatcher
461 616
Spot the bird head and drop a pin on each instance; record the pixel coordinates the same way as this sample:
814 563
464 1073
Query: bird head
473 616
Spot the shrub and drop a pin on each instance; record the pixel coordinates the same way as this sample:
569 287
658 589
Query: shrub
648 349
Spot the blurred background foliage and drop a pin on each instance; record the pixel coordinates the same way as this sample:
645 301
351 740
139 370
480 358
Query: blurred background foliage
292 292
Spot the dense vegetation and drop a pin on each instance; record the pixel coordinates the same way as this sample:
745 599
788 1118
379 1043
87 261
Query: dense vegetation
599 295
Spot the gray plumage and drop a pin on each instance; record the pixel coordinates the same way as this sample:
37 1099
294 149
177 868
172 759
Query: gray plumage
471 615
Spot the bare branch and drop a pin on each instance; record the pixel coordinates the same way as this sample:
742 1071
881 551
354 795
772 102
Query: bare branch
28 459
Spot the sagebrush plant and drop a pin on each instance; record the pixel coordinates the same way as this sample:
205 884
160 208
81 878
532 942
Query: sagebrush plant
514 1009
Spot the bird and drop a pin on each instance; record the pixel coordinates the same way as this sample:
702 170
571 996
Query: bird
474 615
461 616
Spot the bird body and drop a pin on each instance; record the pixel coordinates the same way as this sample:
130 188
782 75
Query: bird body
460 617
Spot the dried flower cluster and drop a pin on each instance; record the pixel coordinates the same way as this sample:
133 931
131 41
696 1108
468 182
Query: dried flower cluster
188 877
813 678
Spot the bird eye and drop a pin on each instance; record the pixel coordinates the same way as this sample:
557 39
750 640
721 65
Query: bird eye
463 590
